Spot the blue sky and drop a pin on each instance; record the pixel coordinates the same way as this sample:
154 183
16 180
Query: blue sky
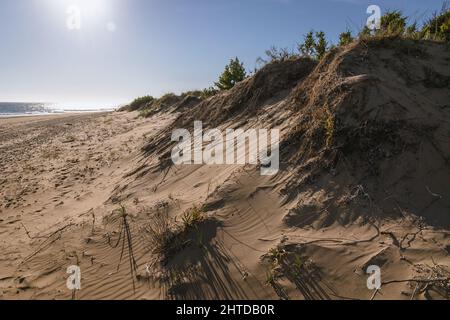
128 48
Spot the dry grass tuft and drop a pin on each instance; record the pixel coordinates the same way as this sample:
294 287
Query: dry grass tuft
166 237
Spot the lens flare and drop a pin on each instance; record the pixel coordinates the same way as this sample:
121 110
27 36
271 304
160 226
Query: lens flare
89 9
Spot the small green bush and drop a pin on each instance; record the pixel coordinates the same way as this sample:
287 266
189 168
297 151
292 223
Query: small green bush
393 23
191 93
146 112
314 45
234 72
345 38
307 47
438 27
321 45
140 102
208 92
191 218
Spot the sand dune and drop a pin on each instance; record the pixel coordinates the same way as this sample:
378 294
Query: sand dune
363 181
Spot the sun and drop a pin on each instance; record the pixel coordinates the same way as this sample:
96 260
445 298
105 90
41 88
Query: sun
88 8
82 15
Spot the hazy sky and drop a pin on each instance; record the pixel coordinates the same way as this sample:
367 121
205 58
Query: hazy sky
128 48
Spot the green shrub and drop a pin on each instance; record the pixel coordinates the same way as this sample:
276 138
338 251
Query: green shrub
345 38
438 27
411 29
321 45
234 72
165 236
146 112
140 102
208 92
191 218
393 23
365 32
191 93
314 45
168 97
156 105
307 47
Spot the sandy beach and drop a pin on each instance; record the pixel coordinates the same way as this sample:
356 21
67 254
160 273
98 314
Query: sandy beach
56 170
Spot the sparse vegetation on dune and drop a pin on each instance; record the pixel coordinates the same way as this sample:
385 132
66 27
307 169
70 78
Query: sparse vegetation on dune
138 103
345 38
395 23
209 92
192 93
438 27
315 45
289 263
160 104
166 236
125 237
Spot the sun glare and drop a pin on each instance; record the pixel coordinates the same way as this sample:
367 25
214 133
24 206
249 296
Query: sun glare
88 8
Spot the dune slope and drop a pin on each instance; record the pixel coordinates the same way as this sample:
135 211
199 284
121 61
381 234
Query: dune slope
364 180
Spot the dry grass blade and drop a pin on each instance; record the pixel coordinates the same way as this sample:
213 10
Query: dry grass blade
126 237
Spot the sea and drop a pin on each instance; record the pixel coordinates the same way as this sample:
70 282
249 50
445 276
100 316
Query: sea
22 109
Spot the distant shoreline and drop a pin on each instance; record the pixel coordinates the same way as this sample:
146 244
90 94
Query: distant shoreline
27 109
54 114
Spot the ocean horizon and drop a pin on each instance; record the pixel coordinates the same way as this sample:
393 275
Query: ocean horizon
23 109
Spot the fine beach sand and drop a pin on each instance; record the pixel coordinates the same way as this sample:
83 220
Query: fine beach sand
371 190
55 169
